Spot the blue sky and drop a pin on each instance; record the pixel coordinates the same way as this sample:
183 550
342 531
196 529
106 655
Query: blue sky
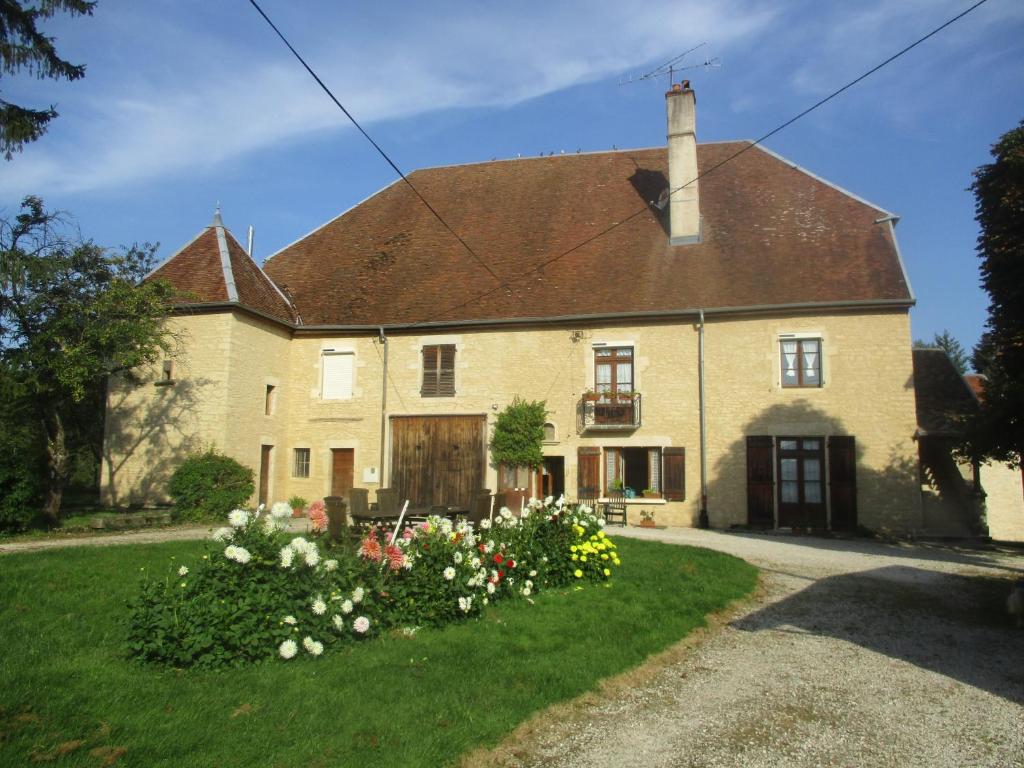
185 104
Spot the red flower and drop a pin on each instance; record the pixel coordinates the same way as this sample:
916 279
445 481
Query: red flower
481 547
499 559
501 574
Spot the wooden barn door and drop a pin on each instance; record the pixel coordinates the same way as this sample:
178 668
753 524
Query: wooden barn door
760 482
842 471
437 459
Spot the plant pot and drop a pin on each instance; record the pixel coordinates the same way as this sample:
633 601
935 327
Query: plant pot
297 511
647 524
652 494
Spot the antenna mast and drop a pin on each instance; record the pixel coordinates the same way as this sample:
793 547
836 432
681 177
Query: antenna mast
671 66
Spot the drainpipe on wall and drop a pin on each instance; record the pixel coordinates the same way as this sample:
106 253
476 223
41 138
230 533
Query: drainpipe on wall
383 407
703 521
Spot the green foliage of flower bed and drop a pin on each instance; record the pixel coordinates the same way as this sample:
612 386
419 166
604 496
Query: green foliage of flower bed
260 592
206 486
418 701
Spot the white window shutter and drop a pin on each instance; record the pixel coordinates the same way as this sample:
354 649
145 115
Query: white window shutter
338 376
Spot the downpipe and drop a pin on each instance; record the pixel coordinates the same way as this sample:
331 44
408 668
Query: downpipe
703 521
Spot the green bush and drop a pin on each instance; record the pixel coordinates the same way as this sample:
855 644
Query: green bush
22 471
209 485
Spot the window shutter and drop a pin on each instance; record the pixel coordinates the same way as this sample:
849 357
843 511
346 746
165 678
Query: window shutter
446 370
760 481
429 388
438 370
842 470
337 369
673 476
588 473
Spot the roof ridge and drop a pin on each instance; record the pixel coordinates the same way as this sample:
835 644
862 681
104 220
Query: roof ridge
225 263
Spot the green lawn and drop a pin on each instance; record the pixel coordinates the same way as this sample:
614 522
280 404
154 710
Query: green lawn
68 694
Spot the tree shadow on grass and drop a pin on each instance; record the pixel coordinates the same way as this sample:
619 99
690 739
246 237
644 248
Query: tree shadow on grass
951 624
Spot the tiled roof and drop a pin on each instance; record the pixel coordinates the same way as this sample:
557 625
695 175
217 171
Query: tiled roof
976 382
215 269
772 234
944 398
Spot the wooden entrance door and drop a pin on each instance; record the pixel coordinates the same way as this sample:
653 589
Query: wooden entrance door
265 451
438 459
802 482
342 463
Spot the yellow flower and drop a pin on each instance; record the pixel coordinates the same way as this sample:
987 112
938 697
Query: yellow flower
600 534
607 572
572 548
578 573
583 559
575 558
604 556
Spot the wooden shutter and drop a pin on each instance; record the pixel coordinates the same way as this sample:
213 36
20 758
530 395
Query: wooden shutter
588 473
429 388
842 472
446 370
760 482
438 370
673 476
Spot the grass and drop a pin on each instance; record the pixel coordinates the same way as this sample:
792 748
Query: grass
69 694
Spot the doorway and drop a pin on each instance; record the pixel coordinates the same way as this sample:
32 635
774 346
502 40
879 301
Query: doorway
265 454
342 471
550 478
802 482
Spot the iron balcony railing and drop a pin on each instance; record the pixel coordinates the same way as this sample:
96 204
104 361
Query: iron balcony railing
608 412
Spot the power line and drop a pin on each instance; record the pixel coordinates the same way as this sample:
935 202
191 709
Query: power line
377 147
713 168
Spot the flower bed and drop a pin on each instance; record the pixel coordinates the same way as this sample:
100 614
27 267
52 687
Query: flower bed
261 593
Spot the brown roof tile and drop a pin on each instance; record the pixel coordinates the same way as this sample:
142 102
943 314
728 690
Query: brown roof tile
773 234
197 272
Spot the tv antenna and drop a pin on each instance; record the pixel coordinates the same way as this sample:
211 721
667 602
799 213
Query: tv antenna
672 66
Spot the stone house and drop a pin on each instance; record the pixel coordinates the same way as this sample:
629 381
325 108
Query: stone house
709 322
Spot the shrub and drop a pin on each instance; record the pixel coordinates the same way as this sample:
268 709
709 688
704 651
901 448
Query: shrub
260 593
209 485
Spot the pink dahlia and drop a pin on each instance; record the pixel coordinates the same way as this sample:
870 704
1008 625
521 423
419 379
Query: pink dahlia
370 548
395 556
318 516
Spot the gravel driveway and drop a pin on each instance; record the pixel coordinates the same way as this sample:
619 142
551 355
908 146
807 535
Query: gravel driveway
855 653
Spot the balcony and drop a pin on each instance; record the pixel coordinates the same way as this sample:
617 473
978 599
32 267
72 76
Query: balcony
607 412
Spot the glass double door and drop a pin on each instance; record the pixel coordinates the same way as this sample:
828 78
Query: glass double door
801 479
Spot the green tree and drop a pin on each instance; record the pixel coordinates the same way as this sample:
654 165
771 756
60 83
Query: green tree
953 348
518 434
24 48
71 314
999 209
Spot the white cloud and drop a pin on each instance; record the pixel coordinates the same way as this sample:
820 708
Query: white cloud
180 98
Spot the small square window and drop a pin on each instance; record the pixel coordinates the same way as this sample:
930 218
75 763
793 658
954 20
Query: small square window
300 463
801 362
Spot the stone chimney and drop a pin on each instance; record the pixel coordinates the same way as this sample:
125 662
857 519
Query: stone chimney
684 203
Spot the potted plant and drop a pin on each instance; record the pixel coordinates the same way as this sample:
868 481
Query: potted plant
591 396
647 519
298 504
651 494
